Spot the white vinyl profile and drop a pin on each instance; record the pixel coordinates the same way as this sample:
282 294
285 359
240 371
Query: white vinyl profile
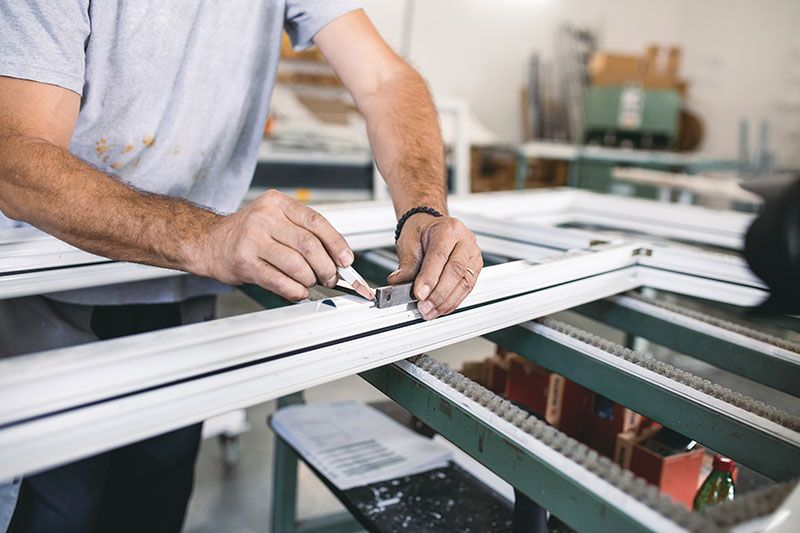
53 405
66 404
33 263
84 384
697 287
27 248
81 277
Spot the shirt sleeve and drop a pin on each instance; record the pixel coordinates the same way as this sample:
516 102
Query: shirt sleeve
304 18
44 41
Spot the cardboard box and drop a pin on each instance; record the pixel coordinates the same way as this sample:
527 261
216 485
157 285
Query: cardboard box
675 475
475 370
603 425
561 402
496 374
494 169
657 68
606 68
623 448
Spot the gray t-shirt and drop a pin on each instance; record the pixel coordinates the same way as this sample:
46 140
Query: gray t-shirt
174 94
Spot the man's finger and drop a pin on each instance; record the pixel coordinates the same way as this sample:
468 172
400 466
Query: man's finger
334 243
309 246
462 290
454 275
436 257
409 252
290 262
272 279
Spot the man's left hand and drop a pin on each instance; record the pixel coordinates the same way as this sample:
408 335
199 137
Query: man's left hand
444 256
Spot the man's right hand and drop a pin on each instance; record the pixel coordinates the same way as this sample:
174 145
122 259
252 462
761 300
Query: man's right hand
275 242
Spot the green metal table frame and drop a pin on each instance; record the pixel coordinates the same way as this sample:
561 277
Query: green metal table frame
284 492
776 373
571 501
519 467
730 437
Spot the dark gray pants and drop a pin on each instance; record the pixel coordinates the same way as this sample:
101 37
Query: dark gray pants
140 487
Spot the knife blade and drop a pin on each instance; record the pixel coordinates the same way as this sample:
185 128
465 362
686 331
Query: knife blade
354 279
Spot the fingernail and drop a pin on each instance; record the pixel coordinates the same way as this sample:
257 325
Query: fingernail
425 307
423 293
346 258
396 272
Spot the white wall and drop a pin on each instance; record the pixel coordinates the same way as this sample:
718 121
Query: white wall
742 57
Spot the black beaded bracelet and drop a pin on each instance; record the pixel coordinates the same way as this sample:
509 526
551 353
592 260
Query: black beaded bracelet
411 212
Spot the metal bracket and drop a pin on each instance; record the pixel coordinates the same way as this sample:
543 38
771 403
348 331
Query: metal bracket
393 295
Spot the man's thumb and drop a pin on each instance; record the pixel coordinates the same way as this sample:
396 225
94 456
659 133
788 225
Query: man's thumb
406 271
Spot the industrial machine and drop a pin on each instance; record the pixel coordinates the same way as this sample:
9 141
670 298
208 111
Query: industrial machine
631 115
65 404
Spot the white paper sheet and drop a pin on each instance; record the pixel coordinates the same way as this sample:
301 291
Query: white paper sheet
352 444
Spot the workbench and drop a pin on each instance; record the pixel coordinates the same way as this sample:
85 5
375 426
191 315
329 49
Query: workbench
444 499
672 326
626 272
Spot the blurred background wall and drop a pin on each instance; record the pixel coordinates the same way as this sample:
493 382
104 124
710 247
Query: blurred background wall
478 50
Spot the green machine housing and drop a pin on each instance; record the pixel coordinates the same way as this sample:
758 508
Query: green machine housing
627 116
646 118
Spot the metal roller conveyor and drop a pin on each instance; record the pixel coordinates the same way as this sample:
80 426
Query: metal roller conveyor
744 351
593 490
729 422
753 433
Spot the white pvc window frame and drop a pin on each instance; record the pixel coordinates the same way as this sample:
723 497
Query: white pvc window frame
32 262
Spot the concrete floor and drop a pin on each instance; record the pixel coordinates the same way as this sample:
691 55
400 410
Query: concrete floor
238 499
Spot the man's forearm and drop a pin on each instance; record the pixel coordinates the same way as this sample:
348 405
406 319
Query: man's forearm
403 128
439 254
47 187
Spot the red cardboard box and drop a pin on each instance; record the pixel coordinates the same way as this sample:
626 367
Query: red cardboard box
561 402
675 475
623 449
605 422
496 374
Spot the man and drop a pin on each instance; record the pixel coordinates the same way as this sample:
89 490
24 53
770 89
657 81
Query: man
126 129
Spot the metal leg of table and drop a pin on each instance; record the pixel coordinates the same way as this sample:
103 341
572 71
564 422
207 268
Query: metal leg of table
529 517
342 522
284 492
522 172
284 479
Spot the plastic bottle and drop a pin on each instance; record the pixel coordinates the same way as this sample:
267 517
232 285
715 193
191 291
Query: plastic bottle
718 486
